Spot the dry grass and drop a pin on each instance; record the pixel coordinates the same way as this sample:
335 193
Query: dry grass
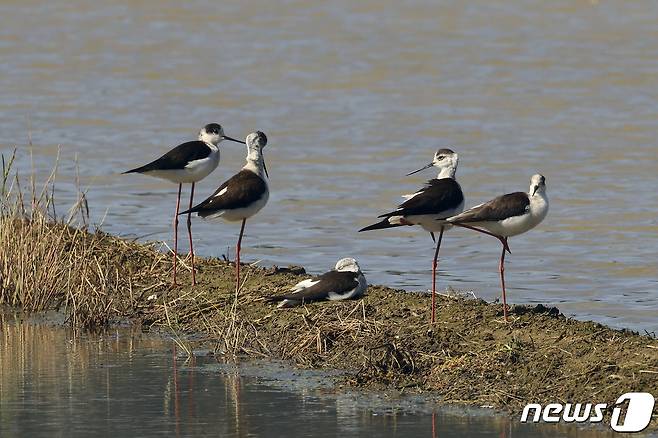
52 262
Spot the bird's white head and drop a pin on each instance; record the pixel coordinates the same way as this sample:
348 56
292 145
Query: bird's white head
347 264
213 133
537 185
256 141
446 160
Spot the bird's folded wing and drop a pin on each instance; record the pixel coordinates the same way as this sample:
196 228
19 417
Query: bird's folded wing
502 207
332 281
241 190
304 284
179 157
438 195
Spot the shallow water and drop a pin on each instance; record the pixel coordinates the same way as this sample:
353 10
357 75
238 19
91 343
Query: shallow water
352 97
125 383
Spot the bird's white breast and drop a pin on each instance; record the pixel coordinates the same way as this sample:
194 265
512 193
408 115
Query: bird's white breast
199 169
238 214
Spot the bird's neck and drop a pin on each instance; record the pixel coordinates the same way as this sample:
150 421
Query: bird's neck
213 147
255 165
447 172
539 203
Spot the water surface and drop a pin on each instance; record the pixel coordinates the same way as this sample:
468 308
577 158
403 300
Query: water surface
126 383
352 96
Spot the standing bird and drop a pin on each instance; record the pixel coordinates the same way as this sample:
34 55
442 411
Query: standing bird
439 199
344 282
506 216
189 162
242 196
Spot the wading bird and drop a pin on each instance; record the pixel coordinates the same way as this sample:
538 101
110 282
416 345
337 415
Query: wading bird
344 282
241 196
189 162
439 199
506 216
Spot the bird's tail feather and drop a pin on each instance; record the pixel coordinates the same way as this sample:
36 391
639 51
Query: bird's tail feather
191 210
135 170
283 301
385 223
153 165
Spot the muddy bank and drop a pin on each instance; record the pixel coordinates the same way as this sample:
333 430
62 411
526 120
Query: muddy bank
470 355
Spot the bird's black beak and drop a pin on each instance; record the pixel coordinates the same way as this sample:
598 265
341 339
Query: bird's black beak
226 137
422 168
265 168
534 190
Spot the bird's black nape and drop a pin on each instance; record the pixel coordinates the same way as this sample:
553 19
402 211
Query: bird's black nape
213 128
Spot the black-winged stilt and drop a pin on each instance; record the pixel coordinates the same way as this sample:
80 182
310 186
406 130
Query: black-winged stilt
241 196
439 199
506 216
189 162
344 282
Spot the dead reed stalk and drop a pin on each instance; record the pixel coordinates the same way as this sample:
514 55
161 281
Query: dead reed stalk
51 262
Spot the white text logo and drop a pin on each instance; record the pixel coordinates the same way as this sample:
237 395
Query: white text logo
637 413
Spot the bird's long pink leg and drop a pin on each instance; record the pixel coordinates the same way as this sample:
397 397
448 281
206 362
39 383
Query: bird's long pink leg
180 187
433 424
434 266
189 232
501 268
503 240
237 258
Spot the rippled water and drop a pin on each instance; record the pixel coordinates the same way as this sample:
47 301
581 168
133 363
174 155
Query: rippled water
352 96
125 383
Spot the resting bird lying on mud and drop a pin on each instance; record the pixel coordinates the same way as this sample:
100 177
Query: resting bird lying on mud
344 282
